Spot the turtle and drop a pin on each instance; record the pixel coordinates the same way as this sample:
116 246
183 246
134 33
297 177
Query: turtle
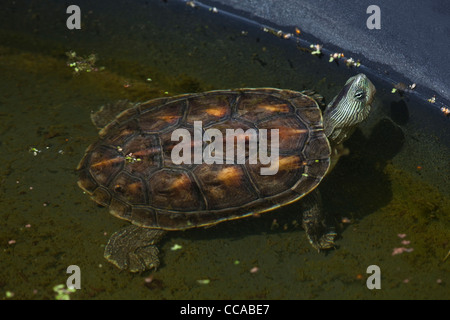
148 175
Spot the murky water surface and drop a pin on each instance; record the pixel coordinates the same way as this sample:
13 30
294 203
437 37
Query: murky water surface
391 191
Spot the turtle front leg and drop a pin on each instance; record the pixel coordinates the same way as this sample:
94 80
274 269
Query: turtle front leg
320 234
134 248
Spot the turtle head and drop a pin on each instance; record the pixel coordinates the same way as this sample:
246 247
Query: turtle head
350 107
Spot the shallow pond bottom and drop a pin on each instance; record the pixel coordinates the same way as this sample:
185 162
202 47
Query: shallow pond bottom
389 193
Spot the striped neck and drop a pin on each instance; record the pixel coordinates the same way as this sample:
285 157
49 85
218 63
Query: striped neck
350 107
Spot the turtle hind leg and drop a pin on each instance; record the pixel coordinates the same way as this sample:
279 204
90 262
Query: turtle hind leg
320 234
134 248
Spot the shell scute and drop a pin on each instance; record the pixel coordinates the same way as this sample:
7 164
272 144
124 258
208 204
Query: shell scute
162 118
209 109
257 107
172 189
129 188
104 164
224 185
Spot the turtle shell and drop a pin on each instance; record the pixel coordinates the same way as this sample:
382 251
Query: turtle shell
130 169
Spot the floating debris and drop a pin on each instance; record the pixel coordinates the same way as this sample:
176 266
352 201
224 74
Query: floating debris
402 87
278 33
62 292
401 250
317 48
203 281
82 64
132 159
176 247
34 151
350 62
432 99
335 56
445 111
191 4
254 270
153 283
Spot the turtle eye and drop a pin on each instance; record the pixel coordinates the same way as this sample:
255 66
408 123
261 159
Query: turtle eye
360 95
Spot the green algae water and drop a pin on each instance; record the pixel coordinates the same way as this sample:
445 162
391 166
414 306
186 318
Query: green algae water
389 196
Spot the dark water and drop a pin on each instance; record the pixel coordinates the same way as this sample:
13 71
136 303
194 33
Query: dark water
394 182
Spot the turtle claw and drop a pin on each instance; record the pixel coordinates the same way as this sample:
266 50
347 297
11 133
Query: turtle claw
133 249
320 234
146 259
139 261
325 242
